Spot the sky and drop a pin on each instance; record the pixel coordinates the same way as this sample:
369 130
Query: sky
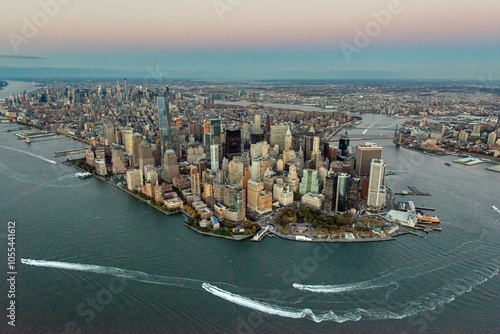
253 39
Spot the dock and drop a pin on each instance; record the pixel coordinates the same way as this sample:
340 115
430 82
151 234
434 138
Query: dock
261 234
424 209
69 152
414 192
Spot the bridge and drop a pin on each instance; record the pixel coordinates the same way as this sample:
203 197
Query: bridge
364 139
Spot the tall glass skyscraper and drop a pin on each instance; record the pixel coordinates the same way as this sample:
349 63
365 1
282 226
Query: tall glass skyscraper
164 120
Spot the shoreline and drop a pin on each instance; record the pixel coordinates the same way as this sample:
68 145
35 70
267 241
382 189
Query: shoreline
217 235
329 240
124 190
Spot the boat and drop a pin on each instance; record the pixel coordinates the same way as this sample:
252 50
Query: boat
496 209
298 286
447 164
427 219
28 140
84 175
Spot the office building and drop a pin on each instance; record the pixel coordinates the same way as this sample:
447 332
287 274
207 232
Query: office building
134 179
214 157
164 120
195 181
364 156
376 191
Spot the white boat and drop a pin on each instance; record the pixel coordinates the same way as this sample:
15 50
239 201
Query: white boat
298 286
84 175
496 209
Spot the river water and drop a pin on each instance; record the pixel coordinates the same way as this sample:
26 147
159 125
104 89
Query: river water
99 261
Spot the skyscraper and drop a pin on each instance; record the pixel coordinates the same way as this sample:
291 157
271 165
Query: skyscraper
164 120
215 131
128 134
195 181
288 139
145 155
376 191
364 156
257 126
214 157
342 192
330 192
278 134
170 166
233 143
309 144
136 140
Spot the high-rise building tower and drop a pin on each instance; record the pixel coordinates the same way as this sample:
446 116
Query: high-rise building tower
364 156
330 192
342 192
278 134
214 157
145 155
109 129
216 131
170 166
376 191
316 149
195 181
288 139
232 143
128 134
164 120
257 126
309 144
136 140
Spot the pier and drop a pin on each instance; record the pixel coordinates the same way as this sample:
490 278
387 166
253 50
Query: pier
424 208
261 234
414 192
69 152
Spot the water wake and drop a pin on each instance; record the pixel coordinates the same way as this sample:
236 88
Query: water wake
117 272
364 285
387 279
29 153
427 302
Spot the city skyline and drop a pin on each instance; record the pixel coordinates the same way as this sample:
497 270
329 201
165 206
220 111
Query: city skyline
242 40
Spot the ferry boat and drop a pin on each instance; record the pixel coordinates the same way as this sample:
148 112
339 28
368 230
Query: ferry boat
427 219
496 209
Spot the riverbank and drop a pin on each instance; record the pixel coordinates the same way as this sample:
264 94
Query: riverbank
331 240
243 237
125 190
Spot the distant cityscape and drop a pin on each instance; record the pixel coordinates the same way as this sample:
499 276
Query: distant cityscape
233 163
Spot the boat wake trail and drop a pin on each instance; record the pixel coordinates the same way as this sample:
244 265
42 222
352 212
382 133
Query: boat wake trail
380 282
393 278
427 302
29 153
117 272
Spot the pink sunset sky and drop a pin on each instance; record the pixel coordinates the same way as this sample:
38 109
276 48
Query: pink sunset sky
77 30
